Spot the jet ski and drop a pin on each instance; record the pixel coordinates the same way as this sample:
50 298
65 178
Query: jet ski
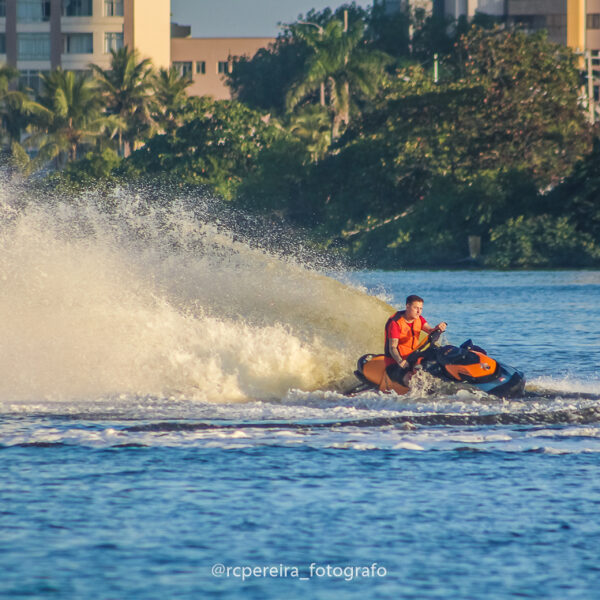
468 366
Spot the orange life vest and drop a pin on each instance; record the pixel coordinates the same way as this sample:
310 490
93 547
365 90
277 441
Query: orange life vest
409 334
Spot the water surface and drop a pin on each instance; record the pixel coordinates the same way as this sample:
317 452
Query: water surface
169 403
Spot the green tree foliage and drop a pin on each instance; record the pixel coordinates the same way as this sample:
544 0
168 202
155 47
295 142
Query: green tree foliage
435 34
311 125
541 241
91 169
277 183
74 117
578 196
530 108
217 146
341 66
170 101
435 229
126 87
389 32
262 81
514 106
17 109
512 109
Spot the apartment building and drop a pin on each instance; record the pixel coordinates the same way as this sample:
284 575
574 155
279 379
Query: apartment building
572 22
39 35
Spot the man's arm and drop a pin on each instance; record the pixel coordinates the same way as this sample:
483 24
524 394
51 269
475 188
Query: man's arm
393 348
427 328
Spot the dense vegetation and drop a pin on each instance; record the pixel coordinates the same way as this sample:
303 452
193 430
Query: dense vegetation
344 132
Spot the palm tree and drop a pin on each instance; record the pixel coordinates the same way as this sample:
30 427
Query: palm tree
170 98
126 87
311 124
17 109
74 114
341 64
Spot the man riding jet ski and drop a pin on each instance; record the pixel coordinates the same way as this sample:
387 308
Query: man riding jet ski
402 337
467 365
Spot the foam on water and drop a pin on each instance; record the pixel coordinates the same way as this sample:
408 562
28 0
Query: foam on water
160 300
570 384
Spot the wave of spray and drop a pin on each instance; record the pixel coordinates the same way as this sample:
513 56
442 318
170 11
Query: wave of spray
145 298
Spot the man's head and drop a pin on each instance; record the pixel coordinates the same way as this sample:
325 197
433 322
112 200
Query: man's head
414 307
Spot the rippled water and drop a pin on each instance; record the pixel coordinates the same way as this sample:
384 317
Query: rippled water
164 411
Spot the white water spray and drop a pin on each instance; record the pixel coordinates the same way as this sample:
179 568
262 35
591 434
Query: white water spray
151 301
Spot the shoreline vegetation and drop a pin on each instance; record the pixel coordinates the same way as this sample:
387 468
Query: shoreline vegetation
465 145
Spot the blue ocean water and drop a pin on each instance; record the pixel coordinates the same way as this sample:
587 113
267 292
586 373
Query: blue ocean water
312 494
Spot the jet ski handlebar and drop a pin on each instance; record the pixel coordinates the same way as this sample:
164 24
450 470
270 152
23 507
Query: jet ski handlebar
432 337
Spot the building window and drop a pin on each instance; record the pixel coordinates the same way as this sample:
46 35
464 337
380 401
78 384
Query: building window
593 21
31 79
556 21
78 43
77 8
223 66
184 68
2 8
112 41
201 67
2 43
33 46
113 8
33 11
531 22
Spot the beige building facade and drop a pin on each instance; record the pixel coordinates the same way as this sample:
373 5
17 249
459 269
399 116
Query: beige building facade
39 35
147 27
208 61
